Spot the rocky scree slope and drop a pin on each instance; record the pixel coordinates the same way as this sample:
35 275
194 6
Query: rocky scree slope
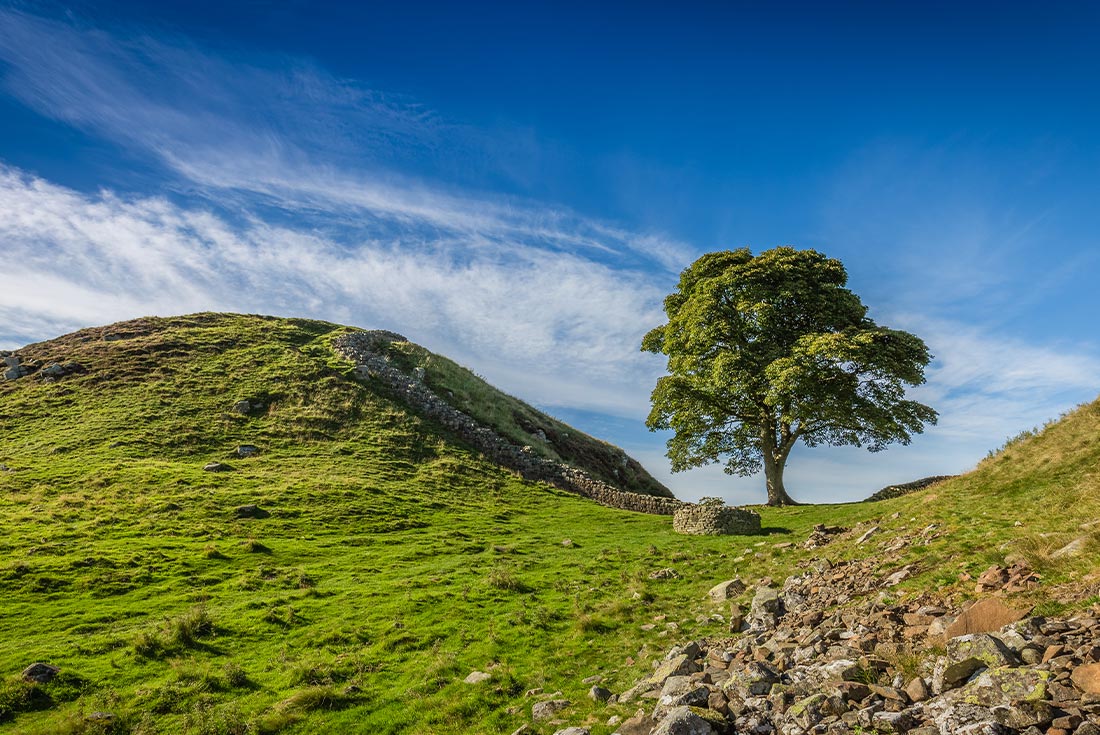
830 651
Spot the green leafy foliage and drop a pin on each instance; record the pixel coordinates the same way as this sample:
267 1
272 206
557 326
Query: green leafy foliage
768 350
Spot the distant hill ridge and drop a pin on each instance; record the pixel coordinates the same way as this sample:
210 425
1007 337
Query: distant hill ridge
507 430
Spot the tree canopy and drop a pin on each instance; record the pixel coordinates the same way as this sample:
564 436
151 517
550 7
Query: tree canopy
768 350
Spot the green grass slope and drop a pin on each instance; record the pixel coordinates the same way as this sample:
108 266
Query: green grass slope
394 561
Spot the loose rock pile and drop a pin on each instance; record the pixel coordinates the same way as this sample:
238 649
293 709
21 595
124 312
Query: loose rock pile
827 652
14 368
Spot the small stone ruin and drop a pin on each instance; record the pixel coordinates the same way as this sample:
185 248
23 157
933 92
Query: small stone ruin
709 519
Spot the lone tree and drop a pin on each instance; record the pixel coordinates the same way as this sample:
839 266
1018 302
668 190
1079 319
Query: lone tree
766 350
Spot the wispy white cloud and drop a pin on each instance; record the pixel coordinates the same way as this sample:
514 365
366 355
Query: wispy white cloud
287 134
75 260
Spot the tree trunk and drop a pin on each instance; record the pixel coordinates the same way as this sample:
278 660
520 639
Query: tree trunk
773 474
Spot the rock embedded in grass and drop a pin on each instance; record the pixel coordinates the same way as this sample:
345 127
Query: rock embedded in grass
250 511
725 590
217 467
546 710
476 677
40 672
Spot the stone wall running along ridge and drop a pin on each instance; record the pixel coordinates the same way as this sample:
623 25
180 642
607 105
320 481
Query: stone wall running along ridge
896 491
361 349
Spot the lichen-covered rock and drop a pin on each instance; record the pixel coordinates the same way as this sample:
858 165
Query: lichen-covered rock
546 710
767 607
755 679
683 721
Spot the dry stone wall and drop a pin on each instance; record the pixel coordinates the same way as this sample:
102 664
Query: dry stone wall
361 348
896 491
715 520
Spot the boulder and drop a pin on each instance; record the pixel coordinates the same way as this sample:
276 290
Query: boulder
40 673
767 608
250 511
476 677
1087 678
754 680
247 450
965 656
683 721
984 616
1073 548
726 590
680 691
217 467
546 710
572 731
917 690
677 665
598 694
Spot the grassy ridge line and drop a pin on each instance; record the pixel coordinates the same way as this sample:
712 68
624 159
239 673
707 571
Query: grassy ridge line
520 423
393 563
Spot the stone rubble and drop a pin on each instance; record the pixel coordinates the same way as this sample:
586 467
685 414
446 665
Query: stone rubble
828 651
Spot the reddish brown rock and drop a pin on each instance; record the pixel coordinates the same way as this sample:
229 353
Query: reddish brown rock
1087 678
986 616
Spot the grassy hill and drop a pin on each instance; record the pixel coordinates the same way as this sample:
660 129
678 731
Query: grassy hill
391 561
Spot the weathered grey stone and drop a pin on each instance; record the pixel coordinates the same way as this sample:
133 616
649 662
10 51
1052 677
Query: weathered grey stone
546 710
755 679
598 694
766 609
1073 548
682 721
476 677
988 649
572 731
217 467
808 712
247 450
41 673
818 676
680 691
680 665
250 511
726 590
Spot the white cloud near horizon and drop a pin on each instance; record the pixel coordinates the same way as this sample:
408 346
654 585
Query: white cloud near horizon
75 260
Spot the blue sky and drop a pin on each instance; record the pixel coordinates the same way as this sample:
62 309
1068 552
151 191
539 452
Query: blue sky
517 185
